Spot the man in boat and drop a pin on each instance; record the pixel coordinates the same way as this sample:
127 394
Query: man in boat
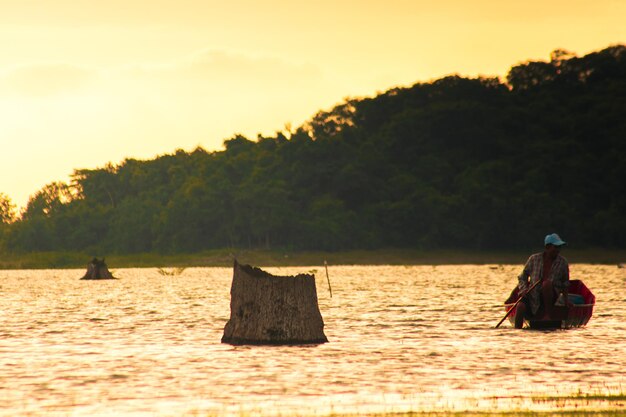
552 270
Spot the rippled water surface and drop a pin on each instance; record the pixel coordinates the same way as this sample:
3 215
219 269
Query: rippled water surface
401 338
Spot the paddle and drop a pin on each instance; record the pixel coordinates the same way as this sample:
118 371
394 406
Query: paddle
517 302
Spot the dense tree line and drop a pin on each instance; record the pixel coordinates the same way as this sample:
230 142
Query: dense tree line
454 163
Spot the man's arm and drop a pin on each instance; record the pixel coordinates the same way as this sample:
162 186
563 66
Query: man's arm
566 286
561 284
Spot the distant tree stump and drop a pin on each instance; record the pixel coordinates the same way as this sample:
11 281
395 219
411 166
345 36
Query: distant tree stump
273 310
97 269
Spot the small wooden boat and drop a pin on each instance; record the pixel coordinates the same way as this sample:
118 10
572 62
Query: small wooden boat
564 317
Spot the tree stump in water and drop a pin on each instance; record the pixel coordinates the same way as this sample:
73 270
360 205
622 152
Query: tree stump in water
97 269
273 310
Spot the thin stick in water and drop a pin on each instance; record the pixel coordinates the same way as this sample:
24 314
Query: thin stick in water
328 279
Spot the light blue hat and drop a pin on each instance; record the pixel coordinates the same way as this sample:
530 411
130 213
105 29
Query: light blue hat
553 239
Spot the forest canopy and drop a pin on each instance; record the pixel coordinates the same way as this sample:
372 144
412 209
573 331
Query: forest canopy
456 163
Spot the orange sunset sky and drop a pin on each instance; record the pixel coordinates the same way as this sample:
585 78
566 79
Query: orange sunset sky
86 82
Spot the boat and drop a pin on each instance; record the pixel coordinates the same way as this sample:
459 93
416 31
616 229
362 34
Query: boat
563 317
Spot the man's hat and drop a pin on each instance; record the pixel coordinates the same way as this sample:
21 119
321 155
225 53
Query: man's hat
553 239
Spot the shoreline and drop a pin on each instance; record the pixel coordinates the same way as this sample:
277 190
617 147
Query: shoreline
277 258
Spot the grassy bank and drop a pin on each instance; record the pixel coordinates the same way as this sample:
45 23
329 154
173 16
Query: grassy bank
596 404
613 413
569 413
224 257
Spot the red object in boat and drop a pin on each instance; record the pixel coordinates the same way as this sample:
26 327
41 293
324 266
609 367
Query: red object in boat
565 317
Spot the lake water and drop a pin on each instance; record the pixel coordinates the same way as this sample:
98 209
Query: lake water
418 338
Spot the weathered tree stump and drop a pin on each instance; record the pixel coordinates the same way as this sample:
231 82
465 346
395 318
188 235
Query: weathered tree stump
97 269
273 310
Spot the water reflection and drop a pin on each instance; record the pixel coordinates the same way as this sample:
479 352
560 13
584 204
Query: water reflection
401 338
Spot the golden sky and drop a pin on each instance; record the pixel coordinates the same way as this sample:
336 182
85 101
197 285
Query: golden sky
87 82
